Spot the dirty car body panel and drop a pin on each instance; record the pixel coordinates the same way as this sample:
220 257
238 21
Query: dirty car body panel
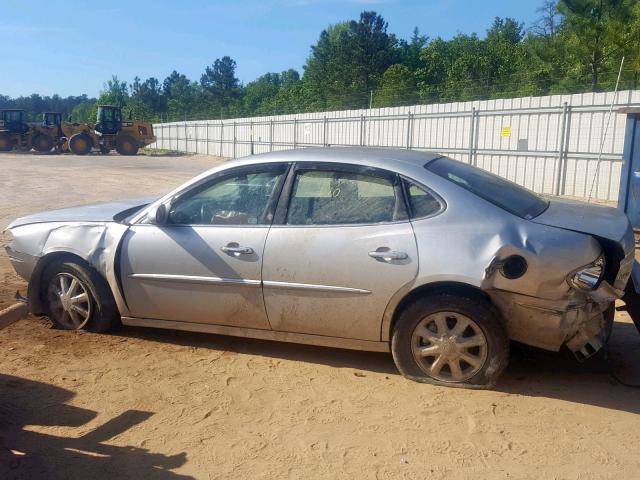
340 284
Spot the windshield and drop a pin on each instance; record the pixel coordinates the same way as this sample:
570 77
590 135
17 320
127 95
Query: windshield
12 116
505 194
52 119
107 114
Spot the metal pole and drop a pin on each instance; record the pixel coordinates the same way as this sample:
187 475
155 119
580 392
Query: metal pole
324 131
295 132
565 159
234 139
476 136
471 134
556 189
409 127
271 134
221 136
251 134
370 99
196 136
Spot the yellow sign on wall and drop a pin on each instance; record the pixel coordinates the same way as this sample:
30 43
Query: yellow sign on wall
506 131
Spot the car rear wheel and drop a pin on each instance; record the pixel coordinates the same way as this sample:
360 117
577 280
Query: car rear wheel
77 297
80 144
450 340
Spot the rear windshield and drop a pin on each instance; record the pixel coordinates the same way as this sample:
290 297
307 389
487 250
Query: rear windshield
503 193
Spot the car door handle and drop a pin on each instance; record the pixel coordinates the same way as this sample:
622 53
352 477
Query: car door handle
388 256
237 250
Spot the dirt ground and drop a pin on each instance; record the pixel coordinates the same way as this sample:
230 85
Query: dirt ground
159 404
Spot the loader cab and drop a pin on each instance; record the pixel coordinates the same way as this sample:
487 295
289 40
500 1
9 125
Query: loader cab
13 121
109 120
51 119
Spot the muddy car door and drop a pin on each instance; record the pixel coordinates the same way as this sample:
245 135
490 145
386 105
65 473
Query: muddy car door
203 265
340 247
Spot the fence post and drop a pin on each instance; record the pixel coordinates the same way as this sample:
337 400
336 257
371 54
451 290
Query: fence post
472 129
409 127
251 136
186 138
362 130
295 132
556 188
196 136
563 180
221 136
206 131
324 131
271 134
234 139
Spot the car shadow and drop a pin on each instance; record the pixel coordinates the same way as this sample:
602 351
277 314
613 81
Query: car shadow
605 381
25 453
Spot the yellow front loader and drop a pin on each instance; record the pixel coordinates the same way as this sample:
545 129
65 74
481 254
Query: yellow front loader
109 132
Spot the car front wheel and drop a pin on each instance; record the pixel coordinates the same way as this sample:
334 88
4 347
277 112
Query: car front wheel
77 297
450 340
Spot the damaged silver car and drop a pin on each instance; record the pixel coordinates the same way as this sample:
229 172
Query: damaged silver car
435 260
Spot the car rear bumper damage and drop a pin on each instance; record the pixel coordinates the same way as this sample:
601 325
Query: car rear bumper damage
581 321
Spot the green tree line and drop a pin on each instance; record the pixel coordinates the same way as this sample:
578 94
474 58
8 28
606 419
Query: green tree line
574 46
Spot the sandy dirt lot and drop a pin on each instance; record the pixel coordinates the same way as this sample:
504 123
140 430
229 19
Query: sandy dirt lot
159 404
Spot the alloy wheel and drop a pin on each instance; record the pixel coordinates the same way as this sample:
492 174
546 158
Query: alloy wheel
69 301
449 346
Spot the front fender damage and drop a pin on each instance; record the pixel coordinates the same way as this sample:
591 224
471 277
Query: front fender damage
95 243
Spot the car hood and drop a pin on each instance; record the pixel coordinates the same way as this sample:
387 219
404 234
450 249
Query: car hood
97 212
598 220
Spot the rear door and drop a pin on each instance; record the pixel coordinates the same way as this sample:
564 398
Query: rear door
340 248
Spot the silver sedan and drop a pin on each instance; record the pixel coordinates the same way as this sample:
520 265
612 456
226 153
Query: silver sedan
435 260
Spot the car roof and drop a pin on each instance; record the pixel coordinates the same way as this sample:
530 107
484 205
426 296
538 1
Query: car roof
387 158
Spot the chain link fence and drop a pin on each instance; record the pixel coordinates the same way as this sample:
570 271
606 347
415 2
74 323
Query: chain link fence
549 144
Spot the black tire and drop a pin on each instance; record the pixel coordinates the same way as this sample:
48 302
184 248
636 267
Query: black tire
42 143
102 311
80 144
492 358
6 144
126 145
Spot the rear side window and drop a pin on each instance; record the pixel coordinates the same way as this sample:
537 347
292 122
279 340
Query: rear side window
505 194
325 197
421 202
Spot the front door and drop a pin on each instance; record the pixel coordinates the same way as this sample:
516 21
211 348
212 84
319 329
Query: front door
343 248
204 266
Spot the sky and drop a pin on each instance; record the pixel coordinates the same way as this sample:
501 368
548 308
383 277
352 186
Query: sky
73 47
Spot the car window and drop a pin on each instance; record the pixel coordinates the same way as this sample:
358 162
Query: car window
501 192
325 197
421 201
239 199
